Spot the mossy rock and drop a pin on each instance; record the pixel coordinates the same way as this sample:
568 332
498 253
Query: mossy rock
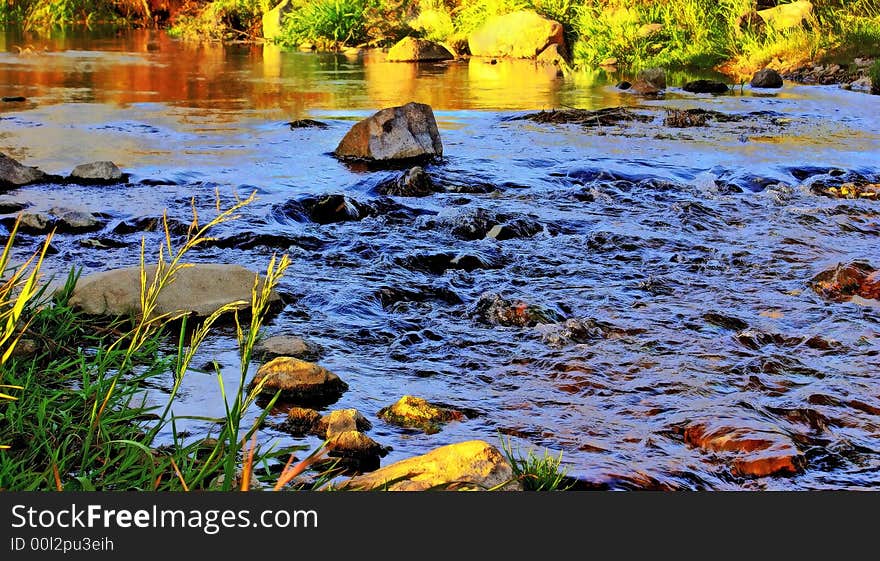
415 412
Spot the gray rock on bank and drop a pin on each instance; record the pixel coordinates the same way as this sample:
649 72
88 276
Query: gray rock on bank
197 290
13 174
395 133
97 172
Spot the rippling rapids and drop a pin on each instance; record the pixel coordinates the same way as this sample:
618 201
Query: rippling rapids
674 263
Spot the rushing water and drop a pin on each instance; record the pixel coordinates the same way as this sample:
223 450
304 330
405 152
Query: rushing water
687 251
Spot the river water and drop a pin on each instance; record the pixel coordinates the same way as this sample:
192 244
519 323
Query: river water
683 253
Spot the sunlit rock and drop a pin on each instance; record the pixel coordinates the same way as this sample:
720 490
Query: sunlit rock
285 345
522 34
786 16
411 49
299 381
410 411
339 421
396 133
474 465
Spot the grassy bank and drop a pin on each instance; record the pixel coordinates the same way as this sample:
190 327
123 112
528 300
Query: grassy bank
724 34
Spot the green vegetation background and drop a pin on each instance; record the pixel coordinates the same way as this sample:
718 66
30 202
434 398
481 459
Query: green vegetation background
687 33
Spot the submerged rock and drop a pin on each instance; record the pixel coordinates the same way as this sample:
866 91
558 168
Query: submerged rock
97 172
411 49
756 451
766 78
410 411
355 444
199 290
521 34
705 86
843 282
13 174
301 421
307 124
494 309
474 465
396 133
651 81
849 190
299 381
415 182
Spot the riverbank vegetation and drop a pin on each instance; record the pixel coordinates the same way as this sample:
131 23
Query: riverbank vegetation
725 34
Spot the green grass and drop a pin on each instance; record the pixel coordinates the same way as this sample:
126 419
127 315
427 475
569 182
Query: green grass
536 473
73 414
874 74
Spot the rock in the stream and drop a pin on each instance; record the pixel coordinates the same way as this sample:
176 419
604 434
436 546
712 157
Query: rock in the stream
705 86
339 421
97 172
299 381
494 309
355 444
301 421
651 81
285 345
474 464
411 49
396 133
199 290
846 280
414 182
31 223
411 411
766 78
521 34
13 174
71 220
756 451
307 124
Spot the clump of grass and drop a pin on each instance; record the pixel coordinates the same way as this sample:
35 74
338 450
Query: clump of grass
80 420
221 20
536 473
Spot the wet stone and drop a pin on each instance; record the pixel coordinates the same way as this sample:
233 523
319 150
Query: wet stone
97 172
13 174
299 381
285 345
307 124
71 220
411 411
339 421
415 182
843 282
355 444
705 86
766 78
10 207
752 451
301 421
494 309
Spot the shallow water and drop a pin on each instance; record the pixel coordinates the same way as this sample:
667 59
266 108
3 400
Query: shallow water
690 248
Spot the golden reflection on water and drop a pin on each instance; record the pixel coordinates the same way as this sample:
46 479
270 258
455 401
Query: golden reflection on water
148 66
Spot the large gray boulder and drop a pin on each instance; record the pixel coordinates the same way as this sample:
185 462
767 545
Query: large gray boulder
13 174
394 133
199 290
